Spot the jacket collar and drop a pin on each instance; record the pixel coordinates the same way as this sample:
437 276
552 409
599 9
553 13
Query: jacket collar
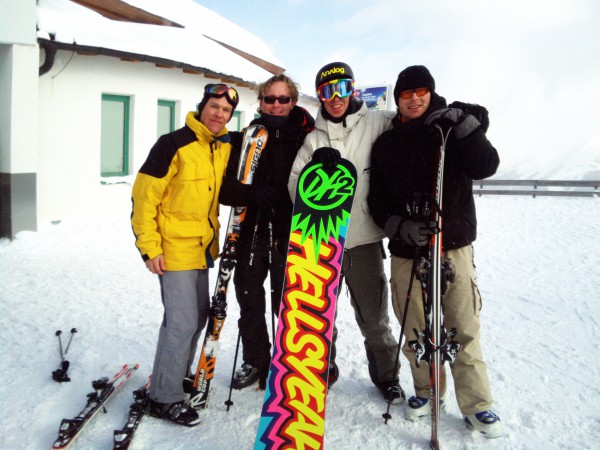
338 130
203 133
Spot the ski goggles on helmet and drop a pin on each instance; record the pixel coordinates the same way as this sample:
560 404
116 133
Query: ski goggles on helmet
409 92
220 90
342 88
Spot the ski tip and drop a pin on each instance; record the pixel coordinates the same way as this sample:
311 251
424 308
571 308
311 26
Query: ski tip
131 366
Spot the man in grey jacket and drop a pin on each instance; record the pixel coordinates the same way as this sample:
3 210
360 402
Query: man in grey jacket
346 128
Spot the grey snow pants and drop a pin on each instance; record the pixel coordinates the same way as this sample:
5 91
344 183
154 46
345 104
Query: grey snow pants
364 274
186 301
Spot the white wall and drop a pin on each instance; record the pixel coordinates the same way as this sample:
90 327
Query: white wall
19 79
17 22
70 98
18 86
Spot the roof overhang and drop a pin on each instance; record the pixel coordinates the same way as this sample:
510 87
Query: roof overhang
269 67
86 50
119 10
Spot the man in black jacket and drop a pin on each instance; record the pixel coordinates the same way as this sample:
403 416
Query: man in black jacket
404 164
268 208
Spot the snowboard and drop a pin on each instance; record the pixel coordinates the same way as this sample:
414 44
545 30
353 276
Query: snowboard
293 413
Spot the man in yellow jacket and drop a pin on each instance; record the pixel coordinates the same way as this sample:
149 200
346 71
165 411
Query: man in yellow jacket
175 221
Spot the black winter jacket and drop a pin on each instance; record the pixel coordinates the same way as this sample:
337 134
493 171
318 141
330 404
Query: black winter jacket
274 167
404 162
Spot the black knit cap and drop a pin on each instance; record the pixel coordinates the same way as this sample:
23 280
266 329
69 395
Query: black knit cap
333 71
413 77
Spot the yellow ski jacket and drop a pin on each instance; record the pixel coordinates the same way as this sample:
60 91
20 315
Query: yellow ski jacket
175 208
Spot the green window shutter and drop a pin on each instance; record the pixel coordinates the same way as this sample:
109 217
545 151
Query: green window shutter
114 142
235 122
165 119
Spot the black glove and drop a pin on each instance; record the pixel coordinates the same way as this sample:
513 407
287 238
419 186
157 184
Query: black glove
416 233
410 231
329 157
263 195
463 124
478 111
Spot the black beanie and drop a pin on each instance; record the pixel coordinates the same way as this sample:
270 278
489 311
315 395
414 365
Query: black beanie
413 77
333 71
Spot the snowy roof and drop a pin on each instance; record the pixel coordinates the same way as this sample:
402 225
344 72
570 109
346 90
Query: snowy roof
196 44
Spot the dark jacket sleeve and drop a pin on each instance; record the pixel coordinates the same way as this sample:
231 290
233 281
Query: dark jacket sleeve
378 192
478 157
234 192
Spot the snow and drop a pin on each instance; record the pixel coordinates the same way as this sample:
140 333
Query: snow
537 262
71 23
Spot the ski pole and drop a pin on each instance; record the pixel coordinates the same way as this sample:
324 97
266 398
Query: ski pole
228 402
254 238
60 374
387 415
270 226
73 331
60 349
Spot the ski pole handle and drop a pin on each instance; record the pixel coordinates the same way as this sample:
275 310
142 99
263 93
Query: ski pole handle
60 348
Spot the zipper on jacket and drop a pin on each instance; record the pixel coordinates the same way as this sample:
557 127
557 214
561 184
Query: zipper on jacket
212 226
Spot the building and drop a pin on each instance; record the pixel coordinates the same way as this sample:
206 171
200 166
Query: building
87 86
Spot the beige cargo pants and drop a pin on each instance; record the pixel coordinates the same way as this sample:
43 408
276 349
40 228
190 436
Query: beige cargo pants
462 305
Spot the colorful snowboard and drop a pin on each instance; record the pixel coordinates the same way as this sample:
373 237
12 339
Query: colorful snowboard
293 414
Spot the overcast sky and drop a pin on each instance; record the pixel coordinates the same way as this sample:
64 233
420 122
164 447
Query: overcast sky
535 64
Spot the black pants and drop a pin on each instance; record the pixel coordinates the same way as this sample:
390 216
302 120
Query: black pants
249 280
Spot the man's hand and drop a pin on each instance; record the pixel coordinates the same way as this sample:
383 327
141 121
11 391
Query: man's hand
156 265
328 156
462 124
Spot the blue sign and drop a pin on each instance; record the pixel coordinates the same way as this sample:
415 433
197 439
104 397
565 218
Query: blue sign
375 97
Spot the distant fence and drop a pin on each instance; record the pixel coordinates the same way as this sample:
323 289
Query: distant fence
555 188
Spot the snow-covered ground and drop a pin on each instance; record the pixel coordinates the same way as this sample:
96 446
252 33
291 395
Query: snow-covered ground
538 269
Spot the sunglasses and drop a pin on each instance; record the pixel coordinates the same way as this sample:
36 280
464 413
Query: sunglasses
342 88
218 90
409 92
282 99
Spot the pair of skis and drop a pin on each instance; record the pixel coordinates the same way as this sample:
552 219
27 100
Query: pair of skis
104 389
435 344
253 143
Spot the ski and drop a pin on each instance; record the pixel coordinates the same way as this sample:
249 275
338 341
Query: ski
434 344
123 438
104 388
293 413
435 316
253 143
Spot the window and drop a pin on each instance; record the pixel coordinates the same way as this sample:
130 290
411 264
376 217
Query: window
114 142
165 119
235 122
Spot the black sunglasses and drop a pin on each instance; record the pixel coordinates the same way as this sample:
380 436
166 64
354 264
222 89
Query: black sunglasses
270 99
